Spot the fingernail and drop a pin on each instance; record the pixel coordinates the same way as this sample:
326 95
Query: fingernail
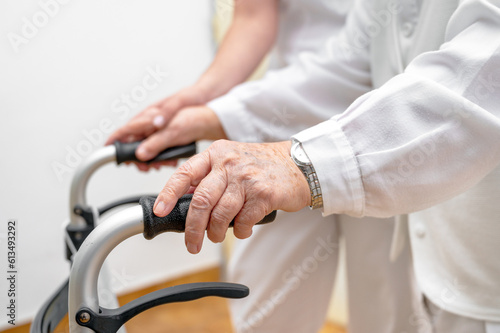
143 154
159 209
192 248
159 121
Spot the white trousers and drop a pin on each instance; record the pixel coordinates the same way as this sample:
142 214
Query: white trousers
290 267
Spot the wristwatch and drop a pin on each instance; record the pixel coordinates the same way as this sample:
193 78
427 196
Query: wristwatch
301 159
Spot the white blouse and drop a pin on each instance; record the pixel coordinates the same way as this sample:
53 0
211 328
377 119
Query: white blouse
426 140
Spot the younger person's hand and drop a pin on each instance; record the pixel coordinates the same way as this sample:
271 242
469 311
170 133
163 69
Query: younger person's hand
157 116
188 125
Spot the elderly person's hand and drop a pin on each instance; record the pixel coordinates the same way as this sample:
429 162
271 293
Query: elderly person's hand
234 180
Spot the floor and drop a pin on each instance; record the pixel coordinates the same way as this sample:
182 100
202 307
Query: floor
211 314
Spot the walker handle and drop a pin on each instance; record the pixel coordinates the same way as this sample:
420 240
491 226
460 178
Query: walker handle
176 220
125 152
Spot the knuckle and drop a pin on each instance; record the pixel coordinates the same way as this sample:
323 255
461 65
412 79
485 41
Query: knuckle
192 232
219 144
220 217
255 211
201 200
167 192
213 147
185 171
231 160
247 177
264 193
244 220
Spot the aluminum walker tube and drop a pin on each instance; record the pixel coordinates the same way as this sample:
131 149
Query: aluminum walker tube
89 259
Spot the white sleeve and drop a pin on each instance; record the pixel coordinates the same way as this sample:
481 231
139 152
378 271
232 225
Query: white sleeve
426 135
307 92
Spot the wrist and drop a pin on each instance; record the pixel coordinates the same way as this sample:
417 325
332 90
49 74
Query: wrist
301 187
212 128
302 161
207 88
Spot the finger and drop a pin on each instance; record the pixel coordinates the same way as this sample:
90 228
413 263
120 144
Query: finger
205 197
190 173
169 107
142 167
250 214
160 141
131 138
158 165
157 117
150 111
136 127
224 212
154 144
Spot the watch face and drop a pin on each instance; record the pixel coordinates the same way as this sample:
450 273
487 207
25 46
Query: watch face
300 155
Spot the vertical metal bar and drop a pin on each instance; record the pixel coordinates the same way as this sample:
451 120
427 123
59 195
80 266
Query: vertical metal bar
81 178
89 259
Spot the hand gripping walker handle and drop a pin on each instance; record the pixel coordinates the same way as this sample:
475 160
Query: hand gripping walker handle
84 308
176 220
125 152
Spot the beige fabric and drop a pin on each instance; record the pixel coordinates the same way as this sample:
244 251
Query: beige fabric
222 20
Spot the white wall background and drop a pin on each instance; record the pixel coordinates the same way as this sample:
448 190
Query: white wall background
65 78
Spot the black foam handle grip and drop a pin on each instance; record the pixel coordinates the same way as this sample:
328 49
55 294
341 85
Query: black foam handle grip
125 152
176 220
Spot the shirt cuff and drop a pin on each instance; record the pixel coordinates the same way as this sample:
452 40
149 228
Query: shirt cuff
336 167
235 118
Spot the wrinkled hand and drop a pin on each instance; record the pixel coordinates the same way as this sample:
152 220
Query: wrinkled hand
234 180
156 117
